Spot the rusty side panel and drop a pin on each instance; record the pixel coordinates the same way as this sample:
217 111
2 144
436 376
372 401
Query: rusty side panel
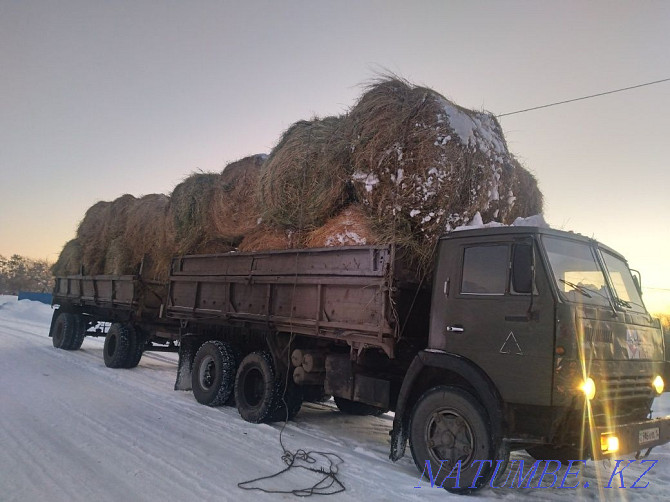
112 292
342 294
99 290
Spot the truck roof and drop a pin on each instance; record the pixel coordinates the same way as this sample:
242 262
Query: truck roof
526 230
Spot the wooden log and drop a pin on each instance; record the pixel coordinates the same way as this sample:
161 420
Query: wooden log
314 361
301 377
297 358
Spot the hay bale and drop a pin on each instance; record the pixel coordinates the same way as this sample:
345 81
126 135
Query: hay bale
102 223
266 238
350 227
149 237
69 260
528 199
190 207
305 179
423 165
117 258
234 207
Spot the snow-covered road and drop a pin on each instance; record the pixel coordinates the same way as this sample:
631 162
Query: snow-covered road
73 430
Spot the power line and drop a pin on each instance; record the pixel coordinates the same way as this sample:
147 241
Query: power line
584 97
656 289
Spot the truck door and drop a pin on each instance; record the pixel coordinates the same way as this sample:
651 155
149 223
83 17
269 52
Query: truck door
483 310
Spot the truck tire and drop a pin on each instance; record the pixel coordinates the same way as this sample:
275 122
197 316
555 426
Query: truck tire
256 388
64 333
356 408
289 403
80 333
213 376
136 348
117 345
447 425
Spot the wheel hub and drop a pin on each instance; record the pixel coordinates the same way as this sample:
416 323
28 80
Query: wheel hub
449 437
207 372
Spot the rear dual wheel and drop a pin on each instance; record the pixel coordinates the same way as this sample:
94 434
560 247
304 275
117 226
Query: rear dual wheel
261 394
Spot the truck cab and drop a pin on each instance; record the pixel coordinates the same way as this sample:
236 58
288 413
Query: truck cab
547 332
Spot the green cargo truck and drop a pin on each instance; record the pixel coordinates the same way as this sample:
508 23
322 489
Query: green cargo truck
523 338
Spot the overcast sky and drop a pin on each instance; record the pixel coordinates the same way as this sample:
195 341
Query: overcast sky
98 99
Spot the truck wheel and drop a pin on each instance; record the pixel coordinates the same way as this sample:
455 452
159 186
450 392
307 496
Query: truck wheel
80 333
117 345
136 348
64 331
289 403
561 453
213 376
256 388
449 425
355 408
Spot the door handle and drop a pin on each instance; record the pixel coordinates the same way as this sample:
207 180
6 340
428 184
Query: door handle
455 329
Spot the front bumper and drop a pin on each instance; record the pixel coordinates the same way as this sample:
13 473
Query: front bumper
633 437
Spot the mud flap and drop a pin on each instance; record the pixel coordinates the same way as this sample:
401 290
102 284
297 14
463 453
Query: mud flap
398 440
188 346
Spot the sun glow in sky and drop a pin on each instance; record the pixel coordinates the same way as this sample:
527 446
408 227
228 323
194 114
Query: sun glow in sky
98 99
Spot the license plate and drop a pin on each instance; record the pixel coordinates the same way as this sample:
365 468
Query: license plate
648 435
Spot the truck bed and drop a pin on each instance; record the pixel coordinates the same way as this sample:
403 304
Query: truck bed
358 294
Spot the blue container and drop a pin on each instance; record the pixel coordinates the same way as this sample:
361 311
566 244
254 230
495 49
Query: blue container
36 297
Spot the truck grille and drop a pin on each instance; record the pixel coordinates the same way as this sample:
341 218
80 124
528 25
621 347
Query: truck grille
628 387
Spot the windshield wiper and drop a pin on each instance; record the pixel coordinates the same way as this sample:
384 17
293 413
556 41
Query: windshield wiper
583 290
627 303
577 287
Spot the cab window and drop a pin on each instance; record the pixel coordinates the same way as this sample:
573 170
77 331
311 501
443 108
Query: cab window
485 270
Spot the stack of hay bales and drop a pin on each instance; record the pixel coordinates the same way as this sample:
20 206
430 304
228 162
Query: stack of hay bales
404 166
414 164
206 213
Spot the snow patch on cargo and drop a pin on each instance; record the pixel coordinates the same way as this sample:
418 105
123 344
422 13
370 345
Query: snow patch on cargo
477 222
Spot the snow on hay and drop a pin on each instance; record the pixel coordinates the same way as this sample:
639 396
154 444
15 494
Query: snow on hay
423 165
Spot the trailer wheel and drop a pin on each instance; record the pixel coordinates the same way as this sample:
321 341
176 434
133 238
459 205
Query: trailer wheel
256 388
213 376
136 348
64 331
80 333
449 425
356 408
117 345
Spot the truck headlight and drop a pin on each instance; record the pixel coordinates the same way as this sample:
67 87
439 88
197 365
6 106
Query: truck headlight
658 384
588 388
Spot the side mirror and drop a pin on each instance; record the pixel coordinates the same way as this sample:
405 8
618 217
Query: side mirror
637 279
522 269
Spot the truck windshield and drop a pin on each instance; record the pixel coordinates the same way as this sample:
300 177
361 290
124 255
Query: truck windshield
578 275
627 295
